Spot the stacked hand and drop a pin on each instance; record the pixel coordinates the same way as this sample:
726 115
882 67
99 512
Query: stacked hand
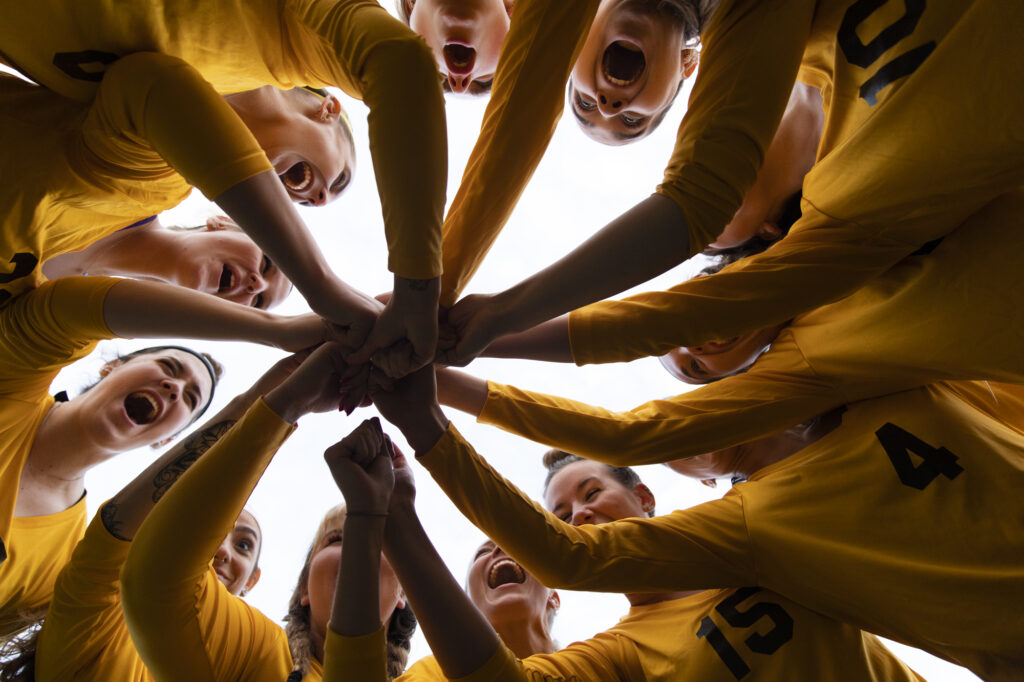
472 324
361 464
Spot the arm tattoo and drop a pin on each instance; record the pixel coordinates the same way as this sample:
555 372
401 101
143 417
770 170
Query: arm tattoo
194 446
108 515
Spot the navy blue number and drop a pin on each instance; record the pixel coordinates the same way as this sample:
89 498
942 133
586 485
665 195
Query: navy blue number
767 643
898 443
864 55
24 264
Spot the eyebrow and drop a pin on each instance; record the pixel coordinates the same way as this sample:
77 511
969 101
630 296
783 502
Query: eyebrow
580 486
248 530
630 136
590 124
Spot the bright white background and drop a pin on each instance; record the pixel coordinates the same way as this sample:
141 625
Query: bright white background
577 188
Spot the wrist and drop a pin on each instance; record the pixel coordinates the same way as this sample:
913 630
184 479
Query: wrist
427 430
283 404
416 293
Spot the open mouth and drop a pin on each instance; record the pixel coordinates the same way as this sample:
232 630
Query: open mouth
227 280
504 572
298 178
623 63
141 408
459 58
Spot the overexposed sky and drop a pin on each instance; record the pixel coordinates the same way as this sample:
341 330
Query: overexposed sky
578 187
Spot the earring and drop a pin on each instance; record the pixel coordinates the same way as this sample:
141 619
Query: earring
243 592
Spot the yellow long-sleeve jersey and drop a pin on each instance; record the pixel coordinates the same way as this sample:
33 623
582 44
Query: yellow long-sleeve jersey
240 45
543 41
86 170
933 317
42 332
903 521
715 635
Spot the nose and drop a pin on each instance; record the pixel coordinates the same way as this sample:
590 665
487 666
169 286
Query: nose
221 557
581 516
256 283
459 82
609 104
172 388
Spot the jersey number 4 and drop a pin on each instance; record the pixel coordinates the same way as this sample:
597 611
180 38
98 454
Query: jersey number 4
767 643
898 444
864 55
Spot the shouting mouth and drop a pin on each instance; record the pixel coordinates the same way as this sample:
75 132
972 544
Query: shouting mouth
227 280
623 63
298 178
141 408
459 58
505 572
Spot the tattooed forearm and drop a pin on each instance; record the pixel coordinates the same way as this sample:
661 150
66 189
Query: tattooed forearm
108 515
193 446
417 284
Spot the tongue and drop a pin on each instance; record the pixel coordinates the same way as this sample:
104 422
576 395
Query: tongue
623 62
459 58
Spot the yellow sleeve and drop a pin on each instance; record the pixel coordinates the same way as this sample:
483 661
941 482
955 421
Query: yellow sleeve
353 659
752 51
167 580
780 390
701 547
536 59
84 635
153 102
377 58
50 327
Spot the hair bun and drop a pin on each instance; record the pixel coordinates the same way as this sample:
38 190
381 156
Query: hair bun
553 456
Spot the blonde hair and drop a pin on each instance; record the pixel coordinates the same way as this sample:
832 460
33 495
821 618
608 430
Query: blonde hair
19 636
298 626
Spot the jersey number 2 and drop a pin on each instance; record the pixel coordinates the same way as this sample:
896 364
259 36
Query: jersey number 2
864 55
898 443
767 643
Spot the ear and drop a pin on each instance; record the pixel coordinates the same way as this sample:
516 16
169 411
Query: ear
554 601
304 596
710 482
221 222
769 232
646 497
688 59
509 5
254 578
400 604
109 367
409 4
329 109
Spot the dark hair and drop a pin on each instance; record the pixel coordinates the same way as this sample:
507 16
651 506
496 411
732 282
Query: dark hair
19 637
556 460
756 244
400 629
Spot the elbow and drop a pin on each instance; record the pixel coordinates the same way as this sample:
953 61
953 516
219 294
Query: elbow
141 70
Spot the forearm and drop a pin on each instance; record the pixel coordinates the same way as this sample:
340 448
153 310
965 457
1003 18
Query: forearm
459 636
547 342
640 244
263 209
356 608
141 309
462 391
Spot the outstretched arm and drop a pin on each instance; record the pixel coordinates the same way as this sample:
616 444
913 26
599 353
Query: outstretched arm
140 309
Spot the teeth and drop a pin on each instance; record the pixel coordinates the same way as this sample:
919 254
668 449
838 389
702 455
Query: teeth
298 178
617 81
505 571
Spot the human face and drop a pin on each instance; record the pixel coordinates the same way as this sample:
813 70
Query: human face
309 150
585 492
224 261
143 400
716 359
504 591
323 578
465 37
628 72
235 560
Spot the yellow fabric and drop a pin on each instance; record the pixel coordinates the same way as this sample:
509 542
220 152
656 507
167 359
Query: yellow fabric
938 566
42 332
931 318
240 45
660 642
185 624
38 548
351 659
882 186
543 41
99 167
